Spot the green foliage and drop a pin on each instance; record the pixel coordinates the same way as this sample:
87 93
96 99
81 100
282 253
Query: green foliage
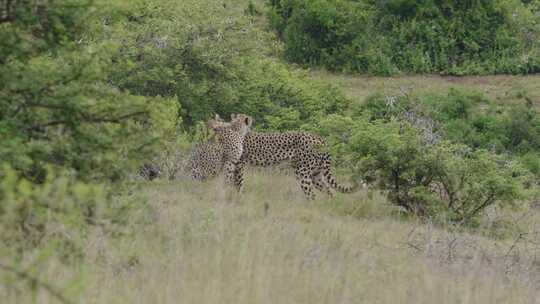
321 32
442 181
211 60
468 118
442 156
57 105
280 99
93 86
471 119
531 161
56 213
55 218
384 37
30 27
55 221
251 9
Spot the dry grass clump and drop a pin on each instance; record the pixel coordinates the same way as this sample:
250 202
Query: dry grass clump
205 244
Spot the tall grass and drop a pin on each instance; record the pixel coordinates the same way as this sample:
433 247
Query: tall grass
205 244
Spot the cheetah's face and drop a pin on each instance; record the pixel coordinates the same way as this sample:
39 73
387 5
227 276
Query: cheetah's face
240 124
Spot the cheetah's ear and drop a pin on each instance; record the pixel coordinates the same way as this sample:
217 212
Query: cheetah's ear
213 124
248 121
233 116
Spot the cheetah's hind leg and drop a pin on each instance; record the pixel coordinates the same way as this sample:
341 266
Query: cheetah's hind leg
303 176
320 184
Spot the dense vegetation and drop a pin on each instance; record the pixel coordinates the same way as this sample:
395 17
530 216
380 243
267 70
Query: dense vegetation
90 90
58 106
442 155
387 37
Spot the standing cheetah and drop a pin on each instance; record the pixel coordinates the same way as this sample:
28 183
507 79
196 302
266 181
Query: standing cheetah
230 140
312 167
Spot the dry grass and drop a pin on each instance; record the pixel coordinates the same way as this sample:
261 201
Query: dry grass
205 244
503 88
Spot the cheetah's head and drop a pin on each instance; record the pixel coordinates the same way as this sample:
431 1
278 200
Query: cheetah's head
239 123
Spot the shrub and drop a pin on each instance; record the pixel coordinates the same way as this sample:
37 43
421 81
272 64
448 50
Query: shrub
384 37
463 117
442 180
281 99
57 105
57 212
54 222
92 86
212 60
56 216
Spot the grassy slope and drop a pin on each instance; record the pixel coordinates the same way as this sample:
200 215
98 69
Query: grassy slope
204 244
269 245
501 88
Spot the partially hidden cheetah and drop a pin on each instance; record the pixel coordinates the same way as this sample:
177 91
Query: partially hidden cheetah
312 167
229 147
205 161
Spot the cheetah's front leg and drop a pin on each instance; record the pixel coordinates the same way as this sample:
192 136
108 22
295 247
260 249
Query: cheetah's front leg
239 175
230 169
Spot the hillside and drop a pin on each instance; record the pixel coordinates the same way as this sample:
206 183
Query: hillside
501 88
94 92
201 243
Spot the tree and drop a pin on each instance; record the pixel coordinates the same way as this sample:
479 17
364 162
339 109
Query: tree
56 104
430 179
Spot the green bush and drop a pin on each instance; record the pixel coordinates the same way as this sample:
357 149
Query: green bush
54 222
441 156
384 37
281 99
465 117
471 119
56 213
92 86
57 104
531 161
443 181
212 60
56 216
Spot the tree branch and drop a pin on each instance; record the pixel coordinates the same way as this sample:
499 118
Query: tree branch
487 202
35 281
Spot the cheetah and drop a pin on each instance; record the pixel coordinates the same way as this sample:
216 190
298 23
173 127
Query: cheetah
311 166
226 153
301 149
205 161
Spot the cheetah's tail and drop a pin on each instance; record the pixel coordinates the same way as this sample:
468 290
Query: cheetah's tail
331 179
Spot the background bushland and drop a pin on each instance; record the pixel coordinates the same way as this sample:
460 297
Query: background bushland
388 37
441 156
95 86
92 90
